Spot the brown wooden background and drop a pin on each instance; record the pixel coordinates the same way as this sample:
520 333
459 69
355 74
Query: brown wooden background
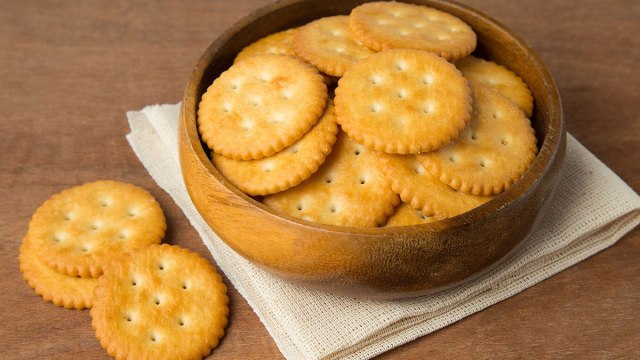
69 70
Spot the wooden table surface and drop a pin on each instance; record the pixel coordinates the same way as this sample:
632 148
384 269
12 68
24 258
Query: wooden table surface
69 70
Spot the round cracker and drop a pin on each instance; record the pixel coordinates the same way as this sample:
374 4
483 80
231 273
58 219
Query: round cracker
286 168
260 106
403 101
424 192
393 25
77 231
280 43
348 190
406 215
160 302
500 78
71 292
492 153
328 44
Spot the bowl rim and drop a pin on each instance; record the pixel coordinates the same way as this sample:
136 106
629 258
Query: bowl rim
524 186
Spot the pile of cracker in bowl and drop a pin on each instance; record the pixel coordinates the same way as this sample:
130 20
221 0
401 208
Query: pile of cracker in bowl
419 130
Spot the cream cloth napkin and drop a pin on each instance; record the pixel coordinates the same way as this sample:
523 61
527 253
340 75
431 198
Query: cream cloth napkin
592 210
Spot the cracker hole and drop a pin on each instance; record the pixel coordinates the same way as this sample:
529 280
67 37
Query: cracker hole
452 159
376 79
104 202
504 142
157 301
84 248
287 94
427 79
246 124
153 338
357 152
401 66
122 235
363 181
134 282
128 318
294 149
376 108
495 115
57 237
474 137
333 210
402 94
184 286
277 118
428 108
68 216
226 108
267 77
299 207
181 322
328 180
422 216
234 86
418 170
161 266
482 164
268 167
132 212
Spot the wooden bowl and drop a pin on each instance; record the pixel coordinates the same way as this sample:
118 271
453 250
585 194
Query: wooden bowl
374 262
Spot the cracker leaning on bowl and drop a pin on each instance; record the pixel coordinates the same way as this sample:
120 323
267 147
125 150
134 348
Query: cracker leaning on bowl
404 86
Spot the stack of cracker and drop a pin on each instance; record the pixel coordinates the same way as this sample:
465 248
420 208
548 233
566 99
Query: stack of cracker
426 130
98 246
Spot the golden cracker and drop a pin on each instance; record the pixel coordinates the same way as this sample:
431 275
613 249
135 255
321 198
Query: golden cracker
328 44
286 168
160 302
403 101
393 25
349 190
492 153
406 215
78 230
424 192
71 292
260 106
280 43
500 78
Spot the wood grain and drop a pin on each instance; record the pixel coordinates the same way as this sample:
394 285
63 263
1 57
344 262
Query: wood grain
70 70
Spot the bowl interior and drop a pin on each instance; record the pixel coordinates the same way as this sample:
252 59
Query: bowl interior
495 43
